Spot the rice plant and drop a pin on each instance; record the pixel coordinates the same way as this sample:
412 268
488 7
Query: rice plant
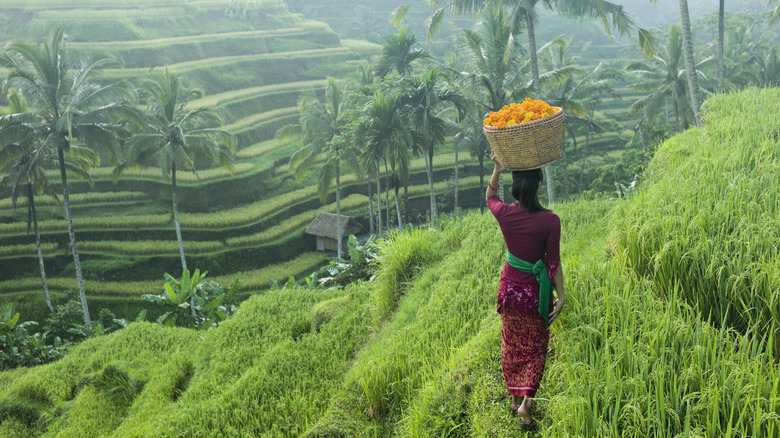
81 198
149 247
28 249
706 221
253 280
295 223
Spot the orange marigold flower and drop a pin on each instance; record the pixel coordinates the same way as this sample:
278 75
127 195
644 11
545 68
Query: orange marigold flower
522 112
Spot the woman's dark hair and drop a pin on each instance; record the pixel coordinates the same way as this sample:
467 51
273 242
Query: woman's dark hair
525 188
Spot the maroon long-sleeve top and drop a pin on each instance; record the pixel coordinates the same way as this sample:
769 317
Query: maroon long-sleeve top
528 236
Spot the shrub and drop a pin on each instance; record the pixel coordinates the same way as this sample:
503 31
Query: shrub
19 348
193 301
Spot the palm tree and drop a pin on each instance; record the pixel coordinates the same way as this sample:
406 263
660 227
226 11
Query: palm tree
495 74
398 54
775 16
66 107
424 99
23 165
524 16
387 138
769 68
360 88
175 136
320 128
573 90
721 74
663 77
690 65
745 54
470 135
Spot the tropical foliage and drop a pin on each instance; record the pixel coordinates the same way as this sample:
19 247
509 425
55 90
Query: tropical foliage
193 301
66 108
19 348
420 343
176 136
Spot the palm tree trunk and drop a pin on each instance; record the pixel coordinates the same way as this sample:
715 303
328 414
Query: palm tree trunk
455 203
34 216
387 195
548 174
677 115
378 202
482 178
338 210
396 187
406 201
565 173
72 236
176 220
534 58
501 187
178 231
690 65
721 73
370 209
429 172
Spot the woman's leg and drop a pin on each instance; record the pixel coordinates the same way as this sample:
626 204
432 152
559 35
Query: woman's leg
524 411
516 401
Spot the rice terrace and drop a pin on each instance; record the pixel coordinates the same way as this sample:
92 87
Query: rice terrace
267 218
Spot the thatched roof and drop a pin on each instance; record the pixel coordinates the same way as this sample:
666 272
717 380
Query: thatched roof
324 225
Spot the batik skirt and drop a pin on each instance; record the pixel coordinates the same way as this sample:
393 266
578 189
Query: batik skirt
524 337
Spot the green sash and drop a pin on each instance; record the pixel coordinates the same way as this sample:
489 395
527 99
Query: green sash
545 286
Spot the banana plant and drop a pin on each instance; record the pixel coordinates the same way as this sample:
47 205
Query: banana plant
193 301
19 348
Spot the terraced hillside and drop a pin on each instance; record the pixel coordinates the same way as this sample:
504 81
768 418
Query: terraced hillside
415 351
253 60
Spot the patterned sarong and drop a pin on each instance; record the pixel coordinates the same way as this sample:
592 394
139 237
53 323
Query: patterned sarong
524 340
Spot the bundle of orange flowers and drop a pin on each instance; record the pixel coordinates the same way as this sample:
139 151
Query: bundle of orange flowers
517 113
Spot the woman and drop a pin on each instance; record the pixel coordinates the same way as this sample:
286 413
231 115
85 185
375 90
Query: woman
532 236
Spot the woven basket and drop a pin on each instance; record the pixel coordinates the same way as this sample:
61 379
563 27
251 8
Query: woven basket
528 145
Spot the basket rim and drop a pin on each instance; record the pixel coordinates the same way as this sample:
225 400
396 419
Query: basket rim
521 126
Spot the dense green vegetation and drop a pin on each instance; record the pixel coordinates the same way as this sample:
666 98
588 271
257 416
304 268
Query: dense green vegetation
672 328
253 61
634 353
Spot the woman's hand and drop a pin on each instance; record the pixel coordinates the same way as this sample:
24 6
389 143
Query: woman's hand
497 166
558 305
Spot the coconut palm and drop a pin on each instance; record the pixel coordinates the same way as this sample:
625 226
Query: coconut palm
663 77
320 129
690 65
387 138
359 89
424 100
746 53
495 72
22 168
66 109
573 90
175 136
721 37
524 17
769 67
469 135
398 54
775 15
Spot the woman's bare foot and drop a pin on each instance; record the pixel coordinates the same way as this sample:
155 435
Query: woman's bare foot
524 412
516 401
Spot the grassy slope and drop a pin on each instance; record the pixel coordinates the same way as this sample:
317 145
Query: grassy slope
420 346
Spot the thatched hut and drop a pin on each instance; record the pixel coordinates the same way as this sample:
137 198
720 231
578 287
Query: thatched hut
324 228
